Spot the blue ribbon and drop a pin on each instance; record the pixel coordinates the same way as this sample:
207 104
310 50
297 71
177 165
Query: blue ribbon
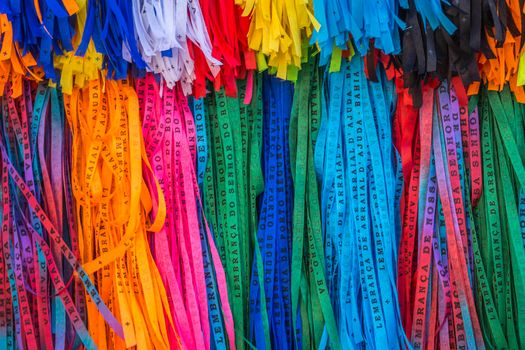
361 182
275 221
362 20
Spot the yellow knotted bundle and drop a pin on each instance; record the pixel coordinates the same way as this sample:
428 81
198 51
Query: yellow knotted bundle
278 30
77 70
113 207
14 65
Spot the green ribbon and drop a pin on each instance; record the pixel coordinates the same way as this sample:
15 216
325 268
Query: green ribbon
497 221
233 180
308 286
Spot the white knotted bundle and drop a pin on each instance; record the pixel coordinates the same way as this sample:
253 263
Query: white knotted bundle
163 28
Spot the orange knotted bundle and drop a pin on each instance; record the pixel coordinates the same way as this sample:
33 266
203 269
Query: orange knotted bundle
504 66
14 65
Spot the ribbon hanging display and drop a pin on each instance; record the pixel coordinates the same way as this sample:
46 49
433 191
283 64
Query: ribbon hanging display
228 33
369 25
42 28
444 39
501 61
14 63
81 62
160 191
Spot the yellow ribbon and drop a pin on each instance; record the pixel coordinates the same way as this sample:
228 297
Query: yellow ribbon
277 32
78 70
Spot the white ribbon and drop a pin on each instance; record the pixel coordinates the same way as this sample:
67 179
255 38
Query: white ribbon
167 25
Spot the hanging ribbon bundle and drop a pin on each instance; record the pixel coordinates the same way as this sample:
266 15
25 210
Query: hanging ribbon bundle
228 31
231 183
443 39
110 25
502 60
355 162
42 28
168 32
309 292
272 318
279 30
37 230
80 63
14 64
369 24
51 32
498 217
439 265
428 48
184 249
112 206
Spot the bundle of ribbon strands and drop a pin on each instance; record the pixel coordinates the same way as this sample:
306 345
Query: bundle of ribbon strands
270 174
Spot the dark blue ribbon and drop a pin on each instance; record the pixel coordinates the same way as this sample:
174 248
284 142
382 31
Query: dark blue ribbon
275 221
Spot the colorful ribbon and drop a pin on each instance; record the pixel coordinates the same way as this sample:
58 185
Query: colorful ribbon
159 192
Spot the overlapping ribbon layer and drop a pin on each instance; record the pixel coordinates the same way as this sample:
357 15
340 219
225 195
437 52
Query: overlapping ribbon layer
14 63
437 265
40 241
188 42
159 191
